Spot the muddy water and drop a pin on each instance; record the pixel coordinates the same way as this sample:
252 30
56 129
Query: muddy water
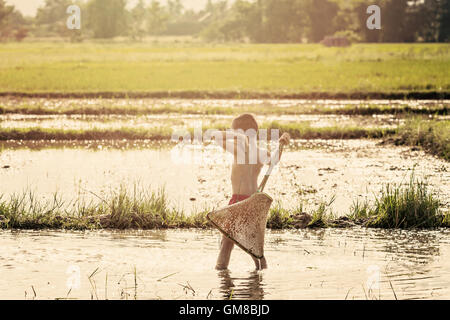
198 178
313 264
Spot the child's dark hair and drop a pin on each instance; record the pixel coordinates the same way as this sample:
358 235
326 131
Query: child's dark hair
245 122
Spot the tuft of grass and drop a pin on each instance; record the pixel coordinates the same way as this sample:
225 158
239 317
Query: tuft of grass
446 220
322 217
280 218
410 206
431 136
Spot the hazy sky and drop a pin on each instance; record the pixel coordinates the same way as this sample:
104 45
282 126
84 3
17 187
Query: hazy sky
29 7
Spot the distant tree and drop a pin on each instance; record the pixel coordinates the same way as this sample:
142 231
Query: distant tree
444 21
395 22
19 25
51 18
175 9
188 23
283 20
245 22
52 11
237 24
12 23
5 11
350 21
137 23
254 13
423 19
322 14
157 18
222 23
107 18
428 20
5 17
215 11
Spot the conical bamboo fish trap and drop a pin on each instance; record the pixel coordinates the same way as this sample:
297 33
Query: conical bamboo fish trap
245 222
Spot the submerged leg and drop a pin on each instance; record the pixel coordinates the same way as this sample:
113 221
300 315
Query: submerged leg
260 264
226 246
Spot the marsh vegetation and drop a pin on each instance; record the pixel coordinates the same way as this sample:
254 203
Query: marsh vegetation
397 206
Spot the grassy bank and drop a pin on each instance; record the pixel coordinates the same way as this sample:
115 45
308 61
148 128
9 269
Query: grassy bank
91 134
410 206
277 69
431 136
297 131
123 210
109 107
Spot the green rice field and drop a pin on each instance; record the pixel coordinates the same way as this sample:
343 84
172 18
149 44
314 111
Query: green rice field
36 67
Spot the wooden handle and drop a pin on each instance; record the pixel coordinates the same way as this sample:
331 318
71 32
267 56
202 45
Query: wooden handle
269 171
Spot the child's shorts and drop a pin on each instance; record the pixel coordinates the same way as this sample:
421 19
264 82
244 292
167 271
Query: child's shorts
238 198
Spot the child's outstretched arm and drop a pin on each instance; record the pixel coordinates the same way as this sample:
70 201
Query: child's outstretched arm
230 140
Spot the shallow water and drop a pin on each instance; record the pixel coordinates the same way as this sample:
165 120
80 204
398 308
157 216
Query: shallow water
307 264
198 178
237 103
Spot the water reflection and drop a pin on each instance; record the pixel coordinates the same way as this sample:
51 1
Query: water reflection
418 248
306 264
244 288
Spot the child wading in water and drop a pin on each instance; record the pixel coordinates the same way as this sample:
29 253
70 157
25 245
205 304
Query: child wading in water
242 143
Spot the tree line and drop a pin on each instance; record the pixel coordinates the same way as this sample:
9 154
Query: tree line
258 21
